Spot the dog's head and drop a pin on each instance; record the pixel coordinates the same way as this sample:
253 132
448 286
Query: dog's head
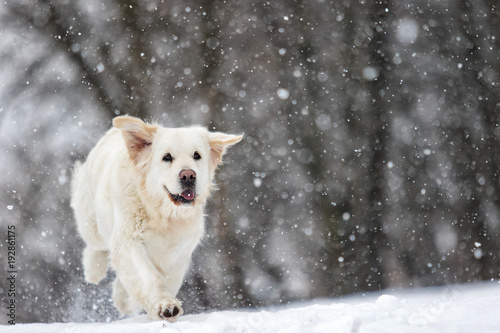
176 165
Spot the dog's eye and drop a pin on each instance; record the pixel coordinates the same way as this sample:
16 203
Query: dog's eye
167 158
196 156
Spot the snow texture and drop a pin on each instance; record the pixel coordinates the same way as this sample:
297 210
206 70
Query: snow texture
468 308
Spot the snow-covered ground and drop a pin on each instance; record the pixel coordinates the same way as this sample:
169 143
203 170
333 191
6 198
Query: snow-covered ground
467 308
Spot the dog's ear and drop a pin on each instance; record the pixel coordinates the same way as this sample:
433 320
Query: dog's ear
219 142
138 137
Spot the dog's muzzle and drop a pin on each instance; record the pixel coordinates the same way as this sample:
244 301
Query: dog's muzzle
187 178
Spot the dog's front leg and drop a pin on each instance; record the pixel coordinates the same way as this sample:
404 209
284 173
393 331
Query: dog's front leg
141 279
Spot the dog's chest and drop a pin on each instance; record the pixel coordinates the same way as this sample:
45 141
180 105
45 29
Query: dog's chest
174 243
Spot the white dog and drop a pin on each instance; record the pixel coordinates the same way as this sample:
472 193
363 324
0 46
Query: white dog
138 202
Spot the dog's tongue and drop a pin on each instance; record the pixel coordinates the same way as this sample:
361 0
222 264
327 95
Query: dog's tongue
188 194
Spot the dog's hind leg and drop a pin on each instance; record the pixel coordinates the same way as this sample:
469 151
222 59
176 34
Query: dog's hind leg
95 264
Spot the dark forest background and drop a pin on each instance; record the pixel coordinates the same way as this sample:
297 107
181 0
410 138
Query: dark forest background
371 151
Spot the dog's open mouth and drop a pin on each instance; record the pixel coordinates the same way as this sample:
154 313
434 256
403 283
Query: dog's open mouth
187 196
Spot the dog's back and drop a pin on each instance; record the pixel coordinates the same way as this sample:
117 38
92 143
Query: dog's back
91 185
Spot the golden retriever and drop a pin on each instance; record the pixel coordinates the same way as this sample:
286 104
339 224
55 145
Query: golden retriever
138 201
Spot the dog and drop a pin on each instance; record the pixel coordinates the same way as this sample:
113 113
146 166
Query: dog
138 201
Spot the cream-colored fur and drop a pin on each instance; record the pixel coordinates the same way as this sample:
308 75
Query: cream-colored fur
133 215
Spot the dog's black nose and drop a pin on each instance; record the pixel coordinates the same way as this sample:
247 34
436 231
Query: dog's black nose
187 177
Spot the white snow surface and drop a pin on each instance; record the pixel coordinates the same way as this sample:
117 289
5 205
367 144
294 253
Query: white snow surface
466 308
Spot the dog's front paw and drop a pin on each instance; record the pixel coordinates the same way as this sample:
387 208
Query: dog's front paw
169 309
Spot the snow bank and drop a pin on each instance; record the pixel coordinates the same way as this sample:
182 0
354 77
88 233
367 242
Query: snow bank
470 308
